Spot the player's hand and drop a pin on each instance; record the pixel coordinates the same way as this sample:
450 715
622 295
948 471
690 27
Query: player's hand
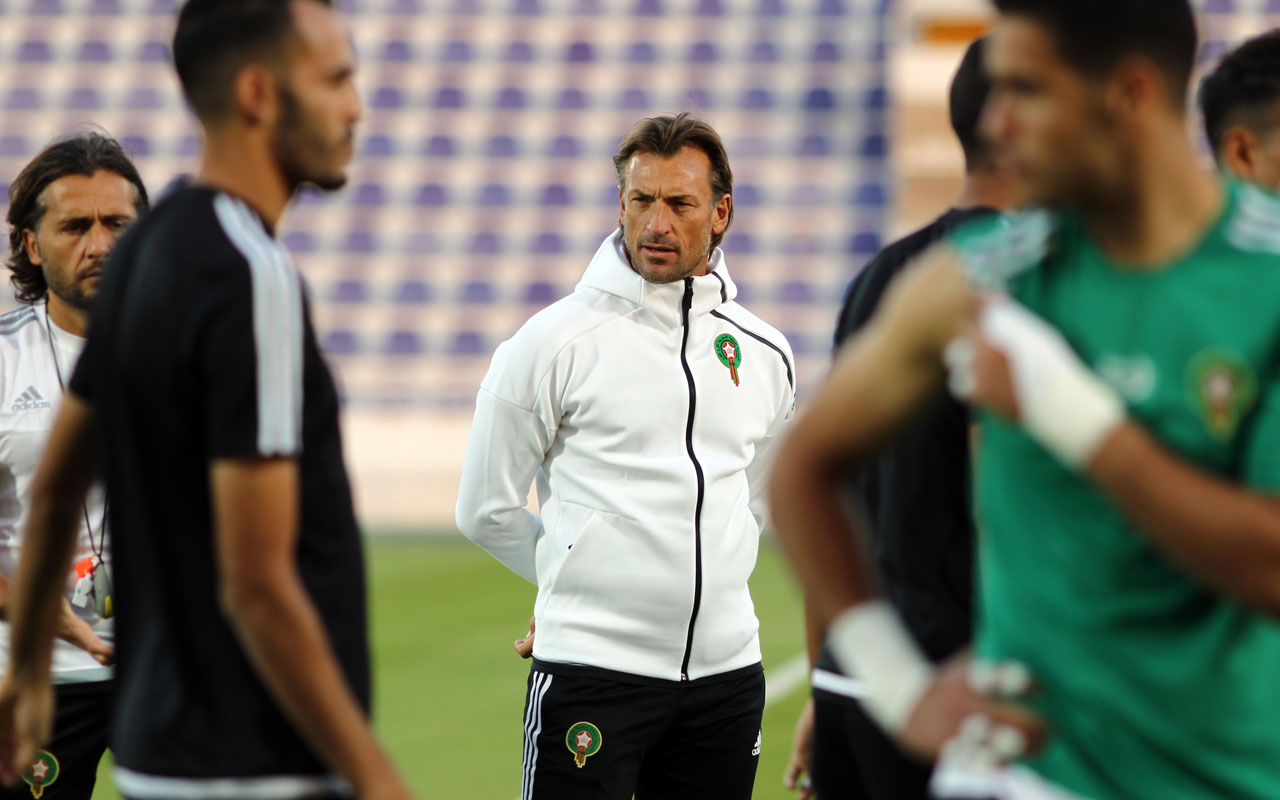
80 633
26 722
796 776
524 647
968 712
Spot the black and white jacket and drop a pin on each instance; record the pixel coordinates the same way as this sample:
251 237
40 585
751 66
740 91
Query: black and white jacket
646 414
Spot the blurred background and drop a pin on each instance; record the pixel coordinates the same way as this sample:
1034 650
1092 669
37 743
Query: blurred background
481 187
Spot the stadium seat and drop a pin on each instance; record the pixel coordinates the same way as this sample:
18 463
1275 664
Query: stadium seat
457 50
763 52
378 146
1219 6
703 52
397 50
819 99
710 8
633 99
440 146
430 194
188 145
83 99
153 52
136 145
572 100
864 243
757 99
771 8
870 194
105 7
144 99
45 7
807 194
477 293
494 194
93 51
369 194
813 146
565 147
468 343
526 8
412 292
449 97
549 243
738 242
1272 7
795 293
540 293
874 146
300 242
486 243
831 8
647 8
35 52
350 290
746 194
387 98
556 194
502 147
510 98
825 50
23 99
699 99
465 8
642 53
341 343
751 147
1213 49
519 52
404 343
163 8
580 53
801 343
876 99
14 146
359 241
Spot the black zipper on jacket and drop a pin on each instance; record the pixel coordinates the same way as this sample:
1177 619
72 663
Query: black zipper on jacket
686 305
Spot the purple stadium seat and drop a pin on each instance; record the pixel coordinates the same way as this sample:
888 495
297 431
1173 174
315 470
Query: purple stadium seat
864 243
571 100
580 53
14 146
518 52
875 145
341 343
736 242
801 343
486 243
45 7
806 194
1213 49
144 99
757 99
406 7
746 194
771 8
153 52
608 195
468 343
633 99
832 8
34 51
136 145
703 52
430 194
494 194
540 293
510 99
763 52
870 194
412 292
457 50
795 293
502 147
477 293
642 53
163 8
586 8
188 145
387 97
350 290
23 99
876 99
441 146
105 7
556 194
752 147
396 50
300 241
806 244
709 8
699 99
93 50
83 99
359 242
826 50
565 147
369 194
1273 7
548 243
647 8
819 99
465 8
378 146
526 8
404 343
1219 6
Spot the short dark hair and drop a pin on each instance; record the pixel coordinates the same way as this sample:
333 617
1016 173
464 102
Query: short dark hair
1096 35
82 154
1243 87
215 38
667 136
968 95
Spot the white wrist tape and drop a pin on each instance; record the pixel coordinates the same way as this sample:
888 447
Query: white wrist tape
870 643
1061 403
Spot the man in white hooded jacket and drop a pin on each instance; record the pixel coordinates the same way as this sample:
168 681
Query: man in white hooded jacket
644 404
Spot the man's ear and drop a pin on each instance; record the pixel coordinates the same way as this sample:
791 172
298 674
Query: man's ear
720 215
1239 152
256 94
32 245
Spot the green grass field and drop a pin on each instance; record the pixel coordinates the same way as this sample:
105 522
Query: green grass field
449 688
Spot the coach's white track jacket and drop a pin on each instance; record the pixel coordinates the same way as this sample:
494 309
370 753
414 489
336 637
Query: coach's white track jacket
651 465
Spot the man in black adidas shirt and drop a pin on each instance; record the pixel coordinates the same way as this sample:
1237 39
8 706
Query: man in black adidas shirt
242 646
917 496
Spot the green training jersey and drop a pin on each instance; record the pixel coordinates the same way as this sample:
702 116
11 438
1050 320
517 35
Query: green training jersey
1153 684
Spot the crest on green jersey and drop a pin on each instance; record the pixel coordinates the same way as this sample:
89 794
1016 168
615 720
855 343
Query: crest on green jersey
1222 388
42 772
583 739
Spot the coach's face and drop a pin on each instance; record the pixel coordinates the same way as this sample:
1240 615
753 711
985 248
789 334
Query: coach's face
667 214
83 217
319 105
1045 121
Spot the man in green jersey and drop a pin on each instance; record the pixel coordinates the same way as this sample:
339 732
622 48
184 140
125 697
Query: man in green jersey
1129 545
1240 101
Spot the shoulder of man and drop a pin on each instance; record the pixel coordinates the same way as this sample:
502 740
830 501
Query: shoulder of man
996 249
756 331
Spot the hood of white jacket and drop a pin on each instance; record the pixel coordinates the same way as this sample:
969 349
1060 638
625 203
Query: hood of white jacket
610 272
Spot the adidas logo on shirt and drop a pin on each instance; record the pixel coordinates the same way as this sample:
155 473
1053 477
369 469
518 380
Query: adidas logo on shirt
30 400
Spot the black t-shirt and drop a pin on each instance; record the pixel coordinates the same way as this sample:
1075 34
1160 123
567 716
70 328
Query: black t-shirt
916 494
201 348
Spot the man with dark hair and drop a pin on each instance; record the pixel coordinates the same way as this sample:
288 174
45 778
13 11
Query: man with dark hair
66 210
1121 342
243 668
917 496
1240 101
645 404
